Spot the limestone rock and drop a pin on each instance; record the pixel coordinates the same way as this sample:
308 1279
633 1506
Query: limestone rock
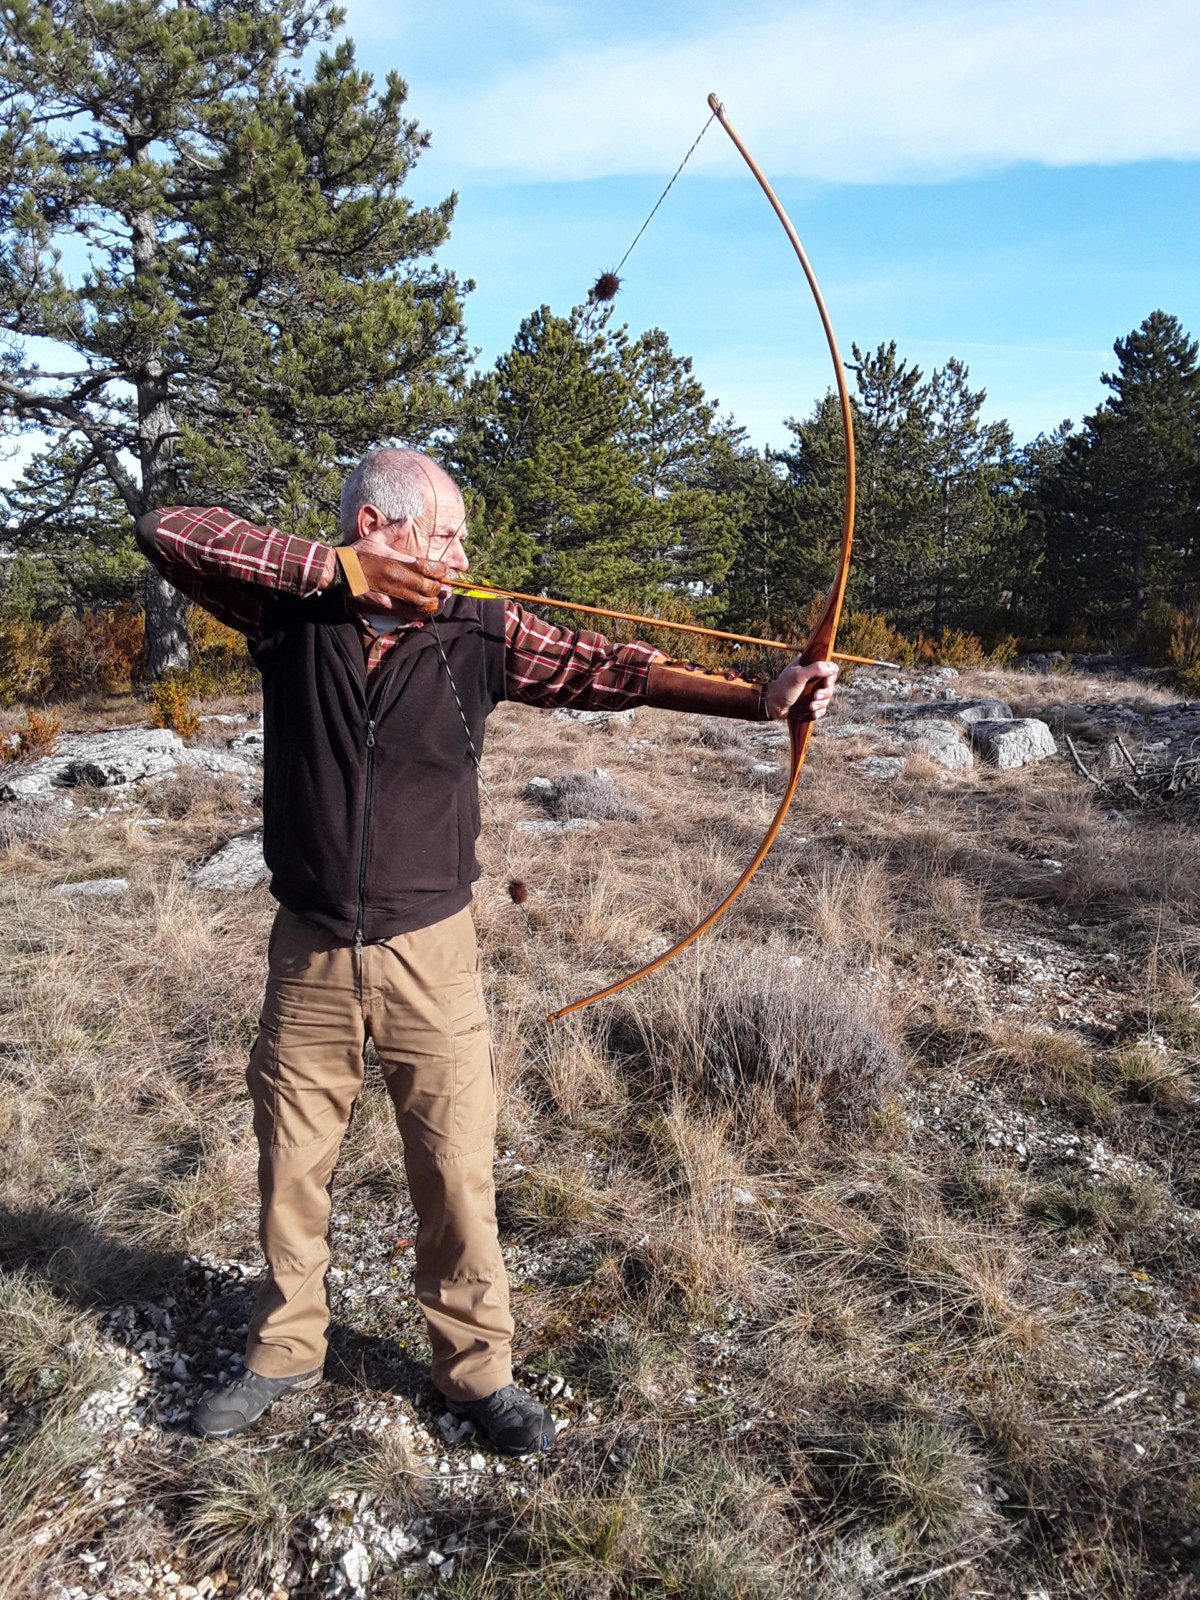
248 743
1013 743
123 755
942 742
964 712
594 719
883 767
219 761
237 864
92 889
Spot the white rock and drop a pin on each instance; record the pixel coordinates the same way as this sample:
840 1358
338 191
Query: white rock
550 825
884 768
941 741
963 712
218 761
355 1566
237 864
92 889
593 719
123 755
539 788
1014 743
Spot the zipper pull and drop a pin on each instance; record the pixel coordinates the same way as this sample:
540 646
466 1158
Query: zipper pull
371 734
358 941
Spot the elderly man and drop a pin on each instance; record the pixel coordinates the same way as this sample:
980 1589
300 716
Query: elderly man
374 678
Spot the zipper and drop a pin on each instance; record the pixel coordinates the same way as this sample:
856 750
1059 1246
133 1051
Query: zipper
366 827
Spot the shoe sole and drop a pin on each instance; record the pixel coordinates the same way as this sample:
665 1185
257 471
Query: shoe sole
232 1433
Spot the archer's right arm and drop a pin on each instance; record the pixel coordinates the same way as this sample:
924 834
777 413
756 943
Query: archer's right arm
228 565
234 568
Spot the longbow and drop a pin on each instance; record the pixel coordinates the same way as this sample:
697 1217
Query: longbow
820 643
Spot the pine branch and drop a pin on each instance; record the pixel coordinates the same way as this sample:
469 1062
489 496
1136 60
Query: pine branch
66 417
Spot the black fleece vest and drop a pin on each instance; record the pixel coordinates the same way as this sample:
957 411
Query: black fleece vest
370 795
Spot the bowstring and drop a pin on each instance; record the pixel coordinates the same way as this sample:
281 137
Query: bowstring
586 327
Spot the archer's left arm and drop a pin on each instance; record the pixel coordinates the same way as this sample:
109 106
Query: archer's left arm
551 666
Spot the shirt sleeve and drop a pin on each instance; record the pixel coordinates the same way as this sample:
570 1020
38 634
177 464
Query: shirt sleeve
549 666
230 566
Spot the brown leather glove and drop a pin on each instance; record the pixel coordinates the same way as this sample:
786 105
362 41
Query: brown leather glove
678 686
403 586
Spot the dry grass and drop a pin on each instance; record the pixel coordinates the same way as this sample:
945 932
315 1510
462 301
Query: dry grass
831 1339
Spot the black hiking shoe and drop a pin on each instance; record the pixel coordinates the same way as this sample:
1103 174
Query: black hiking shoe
239 1405
511 1420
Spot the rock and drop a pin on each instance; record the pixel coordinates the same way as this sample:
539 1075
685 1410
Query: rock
846 730
237 864
114 759
539 789
942 673
594 719
249 743
124 755
1015 743
219 761
884 768
550 825
942 742
355 1566
92 889
964 712
764 769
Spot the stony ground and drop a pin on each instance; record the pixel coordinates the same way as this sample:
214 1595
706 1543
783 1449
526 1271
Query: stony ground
855 1252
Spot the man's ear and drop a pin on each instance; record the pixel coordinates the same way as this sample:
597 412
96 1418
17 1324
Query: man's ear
367 522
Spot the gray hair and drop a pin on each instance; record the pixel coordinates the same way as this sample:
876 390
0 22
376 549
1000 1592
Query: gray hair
394 481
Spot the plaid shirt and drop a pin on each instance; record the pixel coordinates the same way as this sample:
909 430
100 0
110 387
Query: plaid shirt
233 568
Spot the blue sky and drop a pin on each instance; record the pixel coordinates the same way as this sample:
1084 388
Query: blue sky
1016 184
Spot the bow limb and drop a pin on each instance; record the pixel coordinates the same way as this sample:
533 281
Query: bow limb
820 643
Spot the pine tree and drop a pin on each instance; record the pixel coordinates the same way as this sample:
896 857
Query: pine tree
542 449
684 463
76 546
892 432
223 251
975 513
1123 509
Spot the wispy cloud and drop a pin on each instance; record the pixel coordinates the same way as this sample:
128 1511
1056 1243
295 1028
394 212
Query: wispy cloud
865 91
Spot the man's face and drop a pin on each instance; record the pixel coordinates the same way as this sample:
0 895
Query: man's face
437 534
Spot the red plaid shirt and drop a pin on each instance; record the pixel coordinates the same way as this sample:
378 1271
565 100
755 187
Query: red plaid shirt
233 568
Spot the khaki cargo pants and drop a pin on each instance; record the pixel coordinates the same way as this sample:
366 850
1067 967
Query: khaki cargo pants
418 996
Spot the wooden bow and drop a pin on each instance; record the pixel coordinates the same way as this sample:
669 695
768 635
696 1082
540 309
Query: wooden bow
820 643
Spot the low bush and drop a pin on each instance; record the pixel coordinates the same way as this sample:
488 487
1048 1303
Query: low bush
25 662
590 796
97 651
37 734
170 707
771 1017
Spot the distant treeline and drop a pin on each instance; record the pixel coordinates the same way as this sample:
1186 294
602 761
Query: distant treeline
254 301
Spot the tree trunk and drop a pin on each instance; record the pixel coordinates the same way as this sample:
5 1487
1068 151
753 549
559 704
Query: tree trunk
167 648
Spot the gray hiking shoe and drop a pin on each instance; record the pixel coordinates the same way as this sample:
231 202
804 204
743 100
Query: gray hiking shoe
513 1421
239 1405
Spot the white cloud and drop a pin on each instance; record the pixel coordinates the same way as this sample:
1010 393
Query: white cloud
863 91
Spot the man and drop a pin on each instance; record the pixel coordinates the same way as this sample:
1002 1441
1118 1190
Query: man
377 683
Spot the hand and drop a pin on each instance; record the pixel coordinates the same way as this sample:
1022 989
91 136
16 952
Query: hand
812 684
401 585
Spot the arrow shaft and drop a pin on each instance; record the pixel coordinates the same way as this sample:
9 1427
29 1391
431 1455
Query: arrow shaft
492 591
